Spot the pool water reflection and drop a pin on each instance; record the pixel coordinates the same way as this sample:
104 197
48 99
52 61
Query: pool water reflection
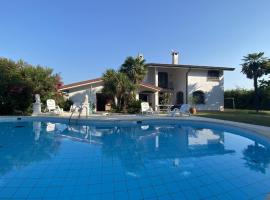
47 160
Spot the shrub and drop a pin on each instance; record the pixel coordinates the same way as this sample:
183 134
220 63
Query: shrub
134 107
19 82
265 98
244 99
66 104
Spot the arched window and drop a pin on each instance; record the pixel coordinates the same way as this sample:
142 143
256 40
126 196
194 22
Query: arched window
198 97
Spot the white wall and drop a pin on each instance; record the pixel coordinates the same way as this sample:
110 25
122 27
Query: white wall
179 80
150 76
214 90
197 80
176 79
77 94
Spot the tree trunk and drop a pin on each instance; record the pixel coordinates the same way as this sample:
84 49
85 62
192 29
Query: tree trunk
256 94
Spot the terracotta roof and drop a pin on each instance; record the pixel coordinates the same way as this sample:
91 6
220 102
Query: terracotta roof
97 80
82 83
189 66
147 85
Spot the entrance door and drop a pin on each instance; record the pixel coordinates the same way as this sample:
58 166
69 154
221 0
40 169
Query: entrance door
179 97
101 101
143 97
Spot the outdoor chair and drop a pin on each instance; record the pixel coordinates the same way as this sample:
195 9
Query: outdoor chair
184 110
146 109
52 107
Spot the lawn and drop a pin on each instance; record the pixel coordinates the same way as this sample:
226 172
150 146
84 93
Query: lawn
246 116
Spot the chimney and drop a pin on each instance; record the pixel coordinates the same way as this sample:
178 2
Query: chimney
175 60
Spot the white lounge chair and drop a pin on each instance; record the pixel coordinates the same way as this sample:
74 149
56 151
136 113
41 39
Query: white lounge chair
52 107
184 110
50 127
146 109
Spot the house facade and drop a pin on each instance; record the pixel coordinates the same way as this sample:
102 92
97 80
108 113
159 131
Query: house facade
192 84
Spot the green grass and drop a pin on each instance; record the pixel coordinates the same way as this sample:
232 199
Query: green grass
246 116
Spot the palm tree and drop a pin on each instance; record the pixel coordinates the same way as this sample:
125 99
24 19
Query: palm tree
254 67
118 87
135 69
257 157
122 85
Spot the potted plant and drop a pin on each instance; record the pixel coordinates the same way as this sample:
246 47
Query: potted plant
193 101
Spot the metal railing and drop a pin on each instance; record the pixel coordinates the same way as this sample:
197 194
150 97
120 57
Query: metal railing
80 109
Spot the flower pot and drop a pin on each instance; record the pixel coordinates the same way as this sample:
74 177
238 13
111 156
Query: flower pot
193 110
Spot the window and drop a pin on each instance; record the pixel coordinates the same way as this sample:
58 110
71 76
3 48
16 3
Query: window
213 75
198 97
162 79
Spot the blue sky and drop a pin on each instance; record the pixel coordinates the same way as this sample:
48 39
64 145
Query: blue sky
81 38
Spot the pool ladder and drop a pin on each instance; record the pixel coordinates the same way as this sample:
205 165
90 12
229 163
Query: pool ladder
80 109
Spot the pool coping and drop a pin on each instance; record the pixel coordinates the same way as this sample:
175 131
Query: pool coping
261 130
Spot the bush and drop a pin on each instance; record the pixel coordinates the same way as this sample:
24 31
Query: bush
19 82
65 104
18 98
134 107
244 99
265 98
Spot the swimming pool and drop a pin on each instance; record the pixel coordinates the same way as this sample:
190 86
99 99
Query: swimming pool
45 159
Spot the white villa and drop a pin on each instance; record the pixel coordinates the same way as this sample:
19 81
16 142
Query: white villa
180 80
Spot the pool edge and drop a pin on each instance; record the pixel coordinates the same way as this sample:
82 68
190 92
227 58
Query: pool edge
261 130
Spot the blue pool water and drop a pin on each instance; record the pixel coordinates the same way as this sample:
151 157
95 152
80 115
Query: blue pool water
157 160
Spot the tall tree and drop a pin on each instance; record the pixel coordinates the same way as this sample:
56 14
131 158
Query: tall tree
255 66
134 68
15 92
122 85
19 82
43 81
265 83
118 87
